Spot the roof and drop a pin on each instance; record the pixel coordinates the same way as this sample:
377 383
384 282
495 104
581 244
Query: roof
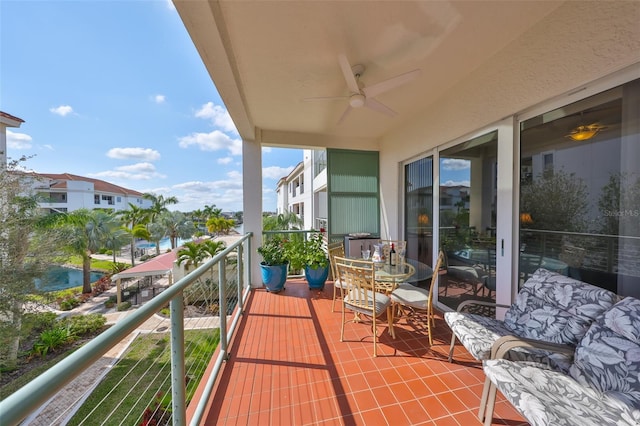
99 185
159 265
10 120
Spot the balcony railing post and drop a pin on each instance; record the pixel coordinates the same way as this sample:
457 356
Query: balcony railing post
240 279
178 399
222 280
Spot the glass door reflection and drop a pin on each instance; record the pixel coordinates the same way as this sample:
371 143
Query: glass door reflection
468 197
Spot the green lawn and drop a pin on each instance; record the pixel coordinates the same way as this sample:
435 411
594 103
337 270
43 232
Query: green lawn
96 264
144 375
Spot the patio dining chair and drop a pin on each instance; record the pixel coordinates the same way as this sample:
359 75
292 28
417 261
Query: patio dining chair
408 296
360 296
335 249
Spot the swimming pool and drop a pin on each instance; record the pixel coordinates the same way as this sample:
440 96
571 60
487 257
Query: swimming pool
165 244
61 278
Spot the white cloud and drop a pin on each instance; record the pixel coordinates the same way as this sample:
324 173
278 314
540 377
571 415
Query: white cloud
49 147
455 164
145 154
159 99
62 110
127 175
457 183
225 160
18 140
138 168
218 115
275 172
266 149
213 141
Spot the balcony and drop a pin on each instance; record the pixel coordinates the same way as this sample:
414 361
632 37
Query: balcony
288 366
280 362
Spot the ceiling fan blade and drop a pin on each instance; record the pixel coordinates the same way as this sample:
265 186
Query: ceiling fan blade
324 98
383 86
352 84
344 114
379 106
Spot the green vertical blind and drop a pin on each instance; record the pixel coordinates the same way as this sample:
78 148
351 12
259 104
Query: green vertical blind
353 192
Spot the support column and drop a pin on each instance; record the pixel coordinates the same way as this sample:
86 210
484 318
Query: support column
252 203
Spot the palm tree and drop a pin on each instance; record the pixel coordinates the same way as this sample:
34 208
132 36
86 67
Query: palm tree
116 237
217 225
177 226
191 254
85 232
283 221
157 232
158 206
133 218
211 247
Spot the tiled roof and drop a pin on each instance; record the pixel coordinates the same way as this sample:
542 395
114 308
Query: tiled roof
99 185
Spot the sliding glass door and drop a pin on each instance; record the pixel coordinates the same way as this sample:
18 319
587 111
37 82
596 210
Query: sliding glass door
467 228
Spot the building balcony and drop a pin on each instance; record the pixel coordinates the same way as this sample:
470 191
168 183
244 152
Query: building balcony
279 362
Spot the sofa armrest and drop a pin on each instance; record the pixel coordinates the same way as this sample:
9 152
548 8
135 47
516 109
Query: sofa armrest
506 343
466 303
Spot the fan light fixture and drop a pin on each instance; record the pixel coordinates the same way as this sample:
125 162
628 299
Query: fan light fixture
583 133
356 100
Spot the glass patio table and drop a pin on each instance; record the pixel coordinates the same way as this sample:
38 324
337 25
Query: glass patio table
388 276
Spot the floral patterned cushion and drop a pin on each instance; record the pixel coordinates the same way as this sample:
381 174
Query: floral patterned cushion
608 357
476 332
556 308
549 397
549 307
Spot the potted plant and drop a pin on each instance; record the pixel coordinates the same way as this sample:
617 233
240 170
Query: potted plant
274 264
310 256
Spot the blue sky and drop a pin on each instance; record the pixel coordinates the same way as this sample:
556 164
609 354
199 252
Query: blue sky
115 90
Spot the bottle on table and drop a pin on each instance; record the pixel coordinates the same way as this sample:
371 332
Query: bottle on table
392 256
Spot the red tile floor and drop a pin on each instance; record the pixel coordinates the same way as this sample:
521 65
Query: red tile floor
288 367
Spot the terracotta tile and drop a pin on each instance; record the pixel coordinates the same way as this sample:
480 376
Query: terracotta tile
288 367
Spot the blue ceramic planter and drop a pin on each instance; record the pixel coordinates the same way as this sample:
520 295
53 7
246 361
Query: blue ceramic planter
316 277
274 276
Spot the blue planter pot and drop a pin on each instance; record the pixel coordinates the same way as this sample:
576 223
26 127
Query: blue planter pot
274 276
316 277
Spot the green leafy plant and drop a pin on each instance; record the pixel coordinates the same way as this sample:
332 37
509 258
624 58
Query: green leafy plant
124 306
51 340
273 251
84 324
309 253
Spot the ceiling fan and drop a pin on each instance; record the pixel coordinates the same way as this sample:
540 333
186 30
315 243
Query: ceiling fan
362 95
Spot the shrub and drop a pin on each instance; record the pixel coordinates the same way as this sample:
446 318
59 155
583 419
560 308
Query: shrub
51 340
84 324
124 306
38 321
102 285
118 267
69 304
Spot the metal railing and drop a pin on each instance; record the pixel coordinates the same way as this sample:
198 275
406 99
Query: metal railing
29 398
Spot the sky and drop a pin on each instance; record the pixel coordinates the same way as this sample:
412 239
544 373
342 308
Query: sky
115 90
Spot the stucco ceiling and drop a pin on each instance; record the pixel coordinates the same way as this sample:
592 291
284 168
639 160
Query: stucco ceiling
266 57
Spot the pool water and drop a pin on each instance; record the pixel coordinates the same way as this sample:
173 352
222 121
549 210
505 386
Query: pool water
165 244
61 278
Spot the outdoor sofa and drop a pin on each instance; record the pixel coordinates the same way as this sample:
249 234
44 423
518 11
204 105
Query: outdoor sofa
601 386
549 307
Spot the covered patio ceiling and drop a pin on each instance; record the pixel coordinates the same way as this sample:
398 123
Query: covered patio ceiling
267 57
